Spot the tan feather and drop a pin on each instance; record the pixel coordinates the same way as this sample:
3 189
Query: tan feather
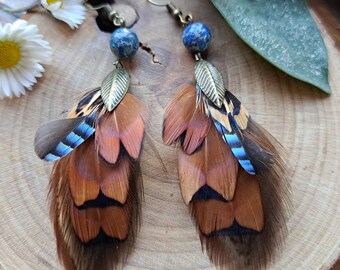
220 117
238 111
88 103
242 118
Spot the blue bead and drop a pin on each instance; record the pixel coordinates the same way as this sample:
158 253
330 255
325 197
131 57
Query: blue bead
196 37
124 43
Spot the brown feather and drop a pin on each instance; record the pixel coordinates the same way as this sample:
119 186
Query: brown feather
115 183
89 175
179 113
246 208
90 236
224 199
253 251
71 251
86 223
222 167
83 173
113 220
59 211
212 215
107 139
247 202
191 173
197 130
185 116
129 117
213 164
126 123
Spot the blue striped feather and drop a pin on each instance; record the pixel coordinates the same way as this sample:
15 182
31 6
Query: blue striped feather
57 138
233 137
73 139
235 143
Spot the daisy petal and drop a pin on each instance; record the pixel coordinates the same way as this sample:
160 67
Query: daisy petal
22 51
15 86
72 12
5 85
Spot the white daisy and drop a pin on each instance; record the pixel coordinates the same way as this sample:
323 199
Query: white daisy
22 51
72 12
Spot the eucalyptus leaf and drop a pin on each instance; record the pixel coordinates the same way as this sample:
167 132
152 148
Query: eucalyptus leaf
284 33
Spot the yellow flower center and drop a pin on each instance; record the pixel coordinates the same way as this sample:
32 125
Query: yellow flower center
50 2
9 54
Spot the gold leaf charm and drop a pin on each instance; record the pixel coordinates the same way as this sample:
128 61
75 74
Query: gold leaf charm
114 88
210 81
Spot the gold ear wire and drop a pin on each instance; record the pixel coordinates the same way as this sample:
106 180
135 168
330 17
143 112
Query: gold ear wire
113 15
175 12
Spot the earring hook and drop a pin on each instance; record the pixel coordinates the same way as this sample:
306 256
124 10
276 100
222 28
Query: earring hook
157 4
175 12
113 15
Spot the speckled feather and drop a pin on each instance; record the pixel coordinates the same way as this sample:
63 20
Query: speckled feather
239 213
95 200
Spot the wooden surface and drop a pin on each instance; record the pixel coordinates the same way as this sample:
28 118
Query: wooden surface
329 13
302 118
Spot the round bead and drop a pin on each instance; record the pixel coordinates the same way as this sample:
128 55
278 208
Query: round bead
124 43
196 37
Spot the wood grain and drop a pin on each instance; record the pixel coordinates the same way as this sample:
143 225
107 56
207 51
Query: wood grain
302 118
329 14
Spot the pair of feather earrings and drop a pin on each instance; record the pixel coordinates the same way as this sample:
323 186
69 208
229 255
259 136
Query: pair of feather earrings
231 171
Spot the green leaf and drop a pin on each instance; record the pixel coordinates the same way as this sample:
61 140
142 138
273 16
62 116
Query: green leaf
284 33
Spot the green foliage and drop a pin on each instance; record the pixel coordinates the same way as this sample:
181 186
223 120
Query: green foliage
284 33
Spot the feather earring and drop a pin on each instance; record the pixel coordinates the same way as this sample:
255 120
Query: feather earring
232 173
95 185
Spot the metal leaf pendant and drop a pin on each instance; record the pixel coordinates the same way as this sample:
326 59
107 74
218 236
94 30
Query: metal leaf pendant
114 88
210 81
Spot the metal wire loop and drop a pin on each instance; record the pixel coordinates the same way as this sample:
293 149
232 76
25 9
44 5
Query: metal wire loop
175 12
114 16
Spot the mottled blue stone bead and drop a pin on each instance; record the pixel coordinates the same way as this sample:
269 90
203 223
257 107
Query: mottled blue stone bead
196 37
124 43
